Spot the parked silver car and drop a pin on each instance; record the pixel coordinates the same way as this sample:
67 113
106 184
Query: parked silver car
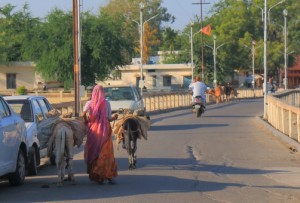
13 149
33 109
125 97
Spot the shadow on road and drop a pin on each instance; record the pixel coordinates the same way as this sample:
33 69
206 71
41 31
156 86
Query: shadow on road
187 111
184 127
130 183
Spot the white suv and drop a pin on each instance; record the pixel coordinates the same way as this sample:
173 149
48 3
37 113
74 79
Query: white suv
13 150
125 97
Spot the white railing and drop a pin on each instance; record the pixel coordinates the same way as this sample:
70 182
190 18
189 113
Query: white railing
283 112
162 101
158 101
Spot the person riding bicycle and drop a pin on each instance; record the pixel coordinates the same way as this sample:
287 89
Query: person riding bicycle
199 89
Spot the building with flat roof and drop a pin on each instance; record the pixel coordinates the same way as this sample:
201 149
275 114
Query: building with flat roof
156 76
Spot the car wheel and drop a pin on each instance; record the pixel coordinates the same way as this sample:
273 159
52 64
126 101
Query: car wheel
32 167
18 177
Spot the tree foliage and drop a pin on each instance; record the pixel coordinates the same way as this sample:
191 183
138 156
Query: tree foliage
237 24
15 29
49 43
129 11
111 38
149 41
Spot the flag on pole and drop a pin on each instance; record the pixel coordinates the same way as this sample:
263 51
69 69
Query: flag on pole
206 30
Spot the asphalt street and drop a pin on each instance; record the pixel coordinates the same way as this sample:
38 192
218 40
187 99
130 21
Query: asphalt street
228 155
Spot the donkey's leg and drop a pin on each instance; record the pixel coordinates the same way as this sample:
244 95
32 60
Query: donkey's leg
134 152
69 148
127 140
59 154
130 156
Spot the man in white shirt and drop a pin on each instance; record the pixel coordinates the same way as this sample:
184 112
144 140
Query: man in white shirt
199 89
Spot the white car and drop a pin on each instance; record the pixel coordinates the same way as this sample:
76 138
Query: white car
33 110
13 149
125 97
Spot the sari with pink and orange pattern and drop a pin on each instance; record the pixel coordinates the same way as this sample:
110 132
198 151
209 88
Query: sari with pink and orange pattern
98 151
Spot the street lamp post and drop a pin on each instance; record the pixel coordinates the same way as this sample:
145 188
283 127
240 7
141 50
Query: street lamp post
215 66
253 64
141 30
265 59
192 49
266 12
280 2
215 49
253 61
285 13
141 82
192 52
262 12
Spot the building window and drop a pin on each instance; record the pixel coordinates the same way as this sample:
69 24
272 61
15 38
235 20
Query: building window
153 81
11 81
167 81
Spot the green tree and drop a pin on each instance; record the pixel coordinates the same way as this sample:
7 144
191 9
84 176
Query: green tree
15 30
128 12
51 47
104 48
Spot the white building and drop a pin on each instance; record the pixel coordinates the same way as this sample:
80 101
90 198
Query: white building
156 76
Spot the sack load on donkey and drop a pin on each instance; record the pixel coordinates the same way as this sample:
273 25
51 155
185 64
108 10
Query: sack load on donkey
66 134
79 132
127 130
45 127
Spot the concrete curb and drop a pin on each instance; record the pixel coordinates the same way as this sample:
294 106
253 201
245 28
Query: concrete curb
285 138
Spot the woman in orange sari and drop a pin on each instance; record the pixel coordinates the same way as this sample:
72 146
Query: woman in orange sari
98 151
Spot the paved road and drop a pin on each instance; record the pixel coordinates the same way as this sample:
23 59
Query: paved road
225 156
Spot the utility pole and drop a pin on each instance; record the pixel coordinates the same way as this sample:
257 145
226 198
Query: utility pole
76 49
202 44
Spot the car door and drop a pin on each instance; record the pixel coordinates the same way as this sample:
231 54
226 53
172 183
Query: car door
9 139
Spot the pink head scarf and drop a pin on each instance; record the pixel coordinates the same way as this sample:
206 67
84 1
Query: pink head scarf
98 132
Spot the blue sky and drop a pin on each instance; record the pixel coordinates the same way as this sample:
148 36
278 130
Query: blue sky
183 10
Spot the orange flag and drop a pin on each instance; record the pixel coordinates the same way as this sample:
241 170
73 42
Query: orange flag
206 30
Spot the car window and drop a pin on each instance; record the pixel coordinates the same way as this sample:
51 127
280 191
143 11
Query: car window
23 108
4 110
44 106
119 93
39 112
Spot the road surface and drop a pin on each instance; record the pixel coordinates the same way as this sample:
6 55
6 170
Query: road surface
225 156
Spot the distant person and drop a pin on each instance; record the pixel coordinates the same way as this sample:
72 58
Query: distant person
218 94
228 89
270 86
233 93
199 89
44 86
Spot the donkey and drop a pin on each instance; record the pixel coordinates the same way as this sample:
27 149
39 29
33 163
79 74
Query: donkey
63 141
129 141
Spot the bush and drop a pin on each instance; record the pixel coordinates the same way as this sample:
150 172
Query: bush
22 90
